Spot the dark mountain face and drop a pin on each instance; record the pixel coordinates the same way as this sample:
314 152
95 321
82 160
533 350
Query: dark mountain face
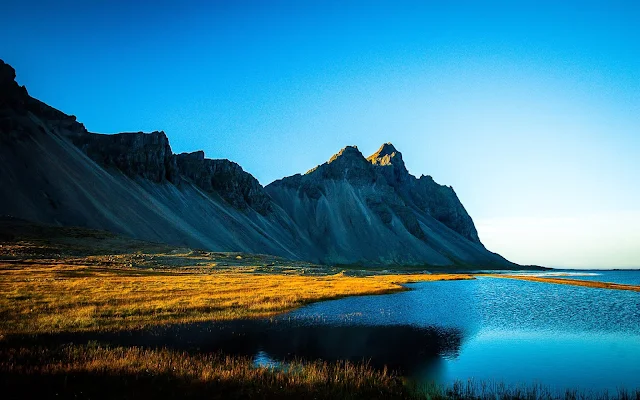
424 194
350 209
357 209
226 178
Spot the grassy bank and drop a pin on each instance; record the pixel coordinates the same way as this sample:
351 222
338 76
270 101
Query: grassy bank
573 282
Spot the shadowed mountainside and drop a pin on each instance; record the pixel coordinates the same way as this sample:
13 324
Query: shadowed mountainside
355 208
350 210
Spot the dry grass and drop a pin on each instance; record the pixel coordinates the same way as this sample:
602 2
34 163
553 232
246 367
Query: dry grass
132 372
55 296
574 282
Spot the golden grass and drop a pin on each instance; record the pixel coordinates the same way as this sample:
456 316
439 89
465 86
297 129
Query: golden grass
574 282
54 296
104 372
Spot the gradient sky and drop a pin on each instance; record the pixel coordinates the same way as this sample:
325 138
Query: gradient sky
531 111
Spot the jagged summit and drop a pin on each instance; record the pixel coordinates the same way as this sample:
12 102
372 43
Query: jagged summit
387 149
386 155
349 163
7 74
195 155
390 159
11 94
348 152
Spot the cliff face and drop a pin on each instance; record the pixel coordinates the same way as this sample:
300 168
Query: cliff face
226 178
350 209
145 155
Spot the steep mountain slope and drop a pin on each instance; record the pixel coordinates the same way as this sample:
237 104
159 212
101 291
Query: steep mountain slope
53 171
348 210
371 210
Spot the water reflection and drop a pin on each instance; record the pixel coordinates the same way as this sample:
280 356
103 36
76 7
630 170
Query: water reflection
402 348
514 331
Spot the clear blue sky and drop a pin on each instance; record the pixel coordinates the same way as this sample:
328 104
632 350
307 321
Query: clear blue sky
531 111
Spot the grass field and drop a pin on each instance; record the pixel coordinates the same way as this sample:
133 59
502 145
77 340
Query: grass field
66 280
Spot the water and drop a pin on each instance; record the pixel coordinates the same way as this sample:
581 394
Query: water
509 331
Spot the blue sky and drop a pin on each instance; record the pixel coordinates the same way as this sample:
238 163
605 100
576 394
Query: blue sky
530 110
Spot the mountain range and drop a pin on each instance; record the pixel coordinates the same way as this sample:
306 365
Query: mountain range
350 210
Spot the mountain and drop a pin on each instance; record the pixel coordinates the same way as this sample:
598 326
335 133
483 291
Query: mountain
371 210
349 210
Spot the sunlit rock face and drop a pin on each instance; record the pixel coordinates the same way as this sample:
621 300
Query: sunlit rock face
349 210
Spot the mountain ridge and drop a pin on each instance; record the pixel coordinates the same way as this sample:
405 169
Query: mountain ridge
342 211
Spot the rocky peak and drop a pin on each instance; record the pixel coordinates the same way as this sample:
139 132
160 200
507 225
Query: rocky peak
347 154
196 157
390 160
348 163
7 74
386 155
16 102
442 203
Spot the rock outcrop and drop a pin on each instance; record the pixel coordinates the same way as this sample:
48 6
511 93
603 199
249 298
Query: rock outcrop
226 178
145 155
349 210
12 95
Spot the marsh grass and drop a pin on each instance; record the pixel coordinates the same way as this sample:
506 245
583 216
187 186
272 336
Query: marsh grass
132 372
